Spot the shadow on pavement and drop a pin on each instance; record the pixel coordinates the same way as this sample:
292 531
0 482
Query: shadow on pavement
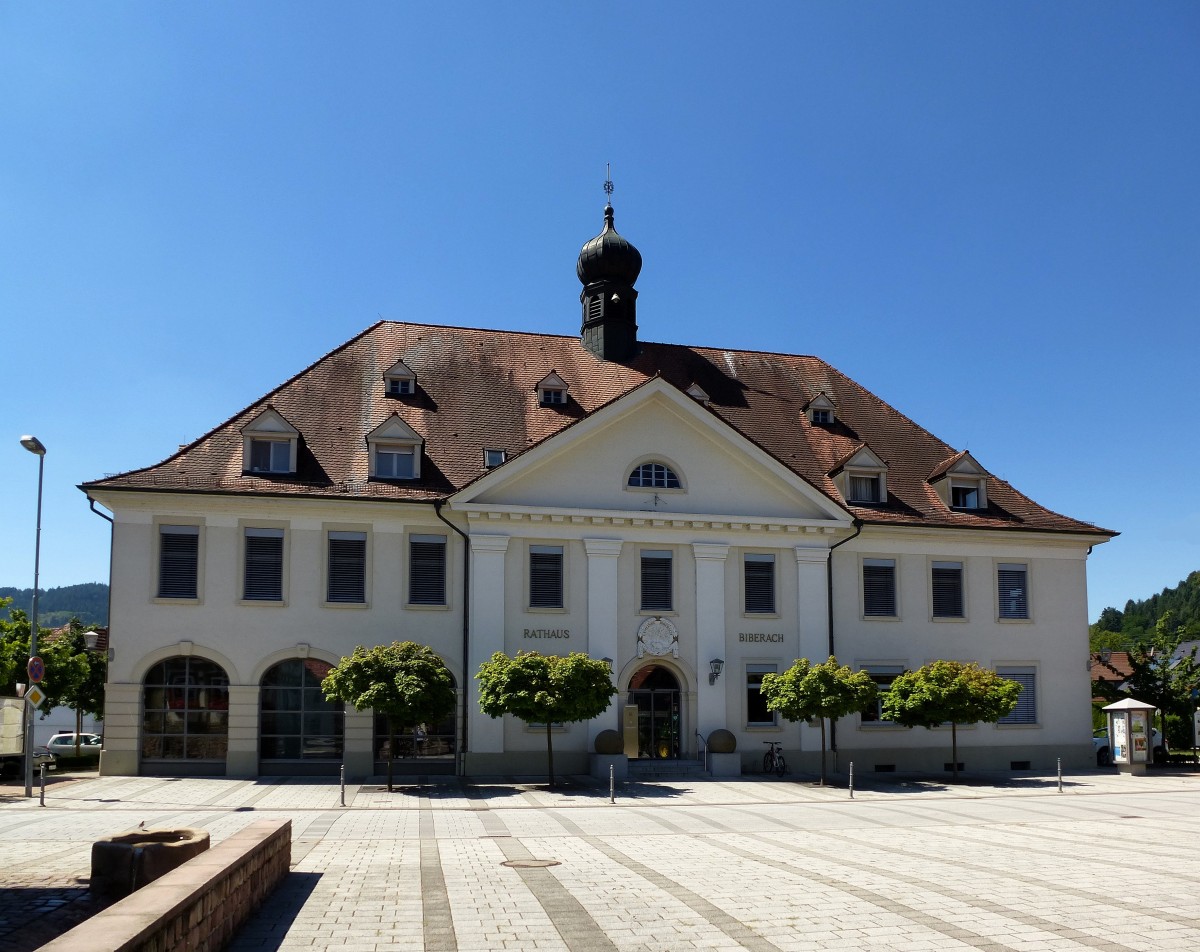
267 928
32 916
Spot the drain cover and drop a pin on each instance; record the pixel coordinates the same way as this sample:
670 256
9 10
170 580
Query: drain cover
530 863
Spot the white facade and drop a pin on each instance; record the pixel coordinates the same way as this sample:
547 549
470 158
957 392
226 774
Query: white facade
570 493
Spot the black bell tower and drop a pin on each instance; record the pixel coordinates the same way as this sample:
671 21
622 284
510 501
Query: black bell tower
608 266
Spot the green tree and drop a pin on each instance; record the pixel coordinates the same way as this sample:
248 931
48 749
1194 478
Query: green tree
1162 674
74 675
950 692
828 690
545 689
406 682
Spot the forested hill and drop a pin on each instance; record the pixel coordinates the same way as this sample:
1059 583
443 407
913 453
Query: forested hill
56 606
1140 616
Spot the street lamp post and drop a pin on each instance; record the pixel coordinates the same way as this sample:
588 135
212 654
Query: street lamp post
34 445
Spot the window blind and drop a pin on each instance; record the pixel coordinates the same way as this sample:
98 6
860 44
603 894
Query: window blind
427 570
1026 710
545 576
759 583
947 590
347 567
879 587
263 569
656 581
178 561
1014 595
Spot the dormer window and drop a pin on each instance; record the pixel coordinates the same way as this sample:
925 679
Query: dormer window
269 444
821 410
861 478
699 394
865 487
961 483
493 458
399 380
552 391
395 450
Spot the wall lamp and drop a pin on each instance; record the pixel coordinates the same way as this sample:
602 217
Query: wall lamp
714 670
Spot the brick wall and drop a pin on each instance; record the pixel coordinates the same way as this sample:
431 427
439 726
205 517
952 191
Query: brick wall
197 907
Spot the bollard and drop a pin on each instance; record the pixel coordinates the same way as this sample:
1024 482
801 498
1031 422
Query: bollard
852 780
612 786
1060 775
342 780
42 781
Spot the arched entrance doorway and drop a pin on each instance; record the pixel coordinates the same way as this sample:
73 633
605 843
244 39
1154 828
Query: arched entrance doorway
299 732
185 718
654 690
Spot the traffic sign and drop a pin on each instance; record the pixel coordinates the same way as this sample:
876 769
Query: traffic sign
36 669
35 696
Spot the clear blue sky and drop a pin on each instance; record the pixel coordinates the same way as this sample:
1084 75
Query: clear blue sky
986 213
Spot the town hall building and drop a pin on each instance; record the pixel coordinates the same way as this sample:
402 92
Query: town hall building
697 516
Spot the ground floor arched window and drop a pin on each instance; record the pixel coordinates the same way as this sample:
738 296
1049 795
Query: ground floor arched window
297 726
418 742
185 712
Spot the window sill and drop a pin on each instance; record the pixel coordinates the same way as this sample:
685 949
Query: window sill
422 607
879 617
756 616
164 600
881 726
546 610
763 728
263 602
358 605
1018 727
656 613
655 490
1014 621
957 620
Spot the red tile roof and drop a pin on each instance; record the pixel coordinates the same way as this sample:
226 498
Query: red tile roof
476 389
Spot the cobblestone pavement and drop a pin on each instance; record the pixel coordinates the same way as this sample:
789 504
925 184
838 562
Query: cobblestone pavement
1110 863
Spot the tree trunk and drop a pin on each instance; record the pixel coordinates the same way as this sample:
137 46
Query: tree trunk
822 751
391 749
78 728
550 754
954 750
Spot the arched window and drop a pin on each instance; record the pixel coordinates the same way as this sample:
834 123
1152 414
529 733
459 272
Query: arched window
296 723
185 711
654 476
437 743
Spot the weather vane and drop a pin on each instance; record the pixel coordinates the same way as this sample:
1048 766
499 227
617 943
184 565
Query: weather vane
608 185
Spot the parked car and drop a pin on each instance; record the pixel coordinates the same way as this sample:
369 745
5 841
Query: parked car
63 745
42 755
1104 753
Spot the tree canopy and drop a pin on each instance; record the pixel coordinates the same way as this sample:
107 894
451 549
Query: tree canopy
406 682
950 692
1120 629
828 690
1163 673
545 689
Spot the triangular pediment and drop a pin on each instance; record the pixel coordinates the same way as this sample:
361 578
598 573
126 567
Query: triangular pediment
270 421
960 464
863 458
399 371
587 467
394 428
820 402
552 381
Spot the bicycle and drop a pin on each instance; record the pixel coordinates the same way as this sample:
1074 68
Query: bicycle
773 761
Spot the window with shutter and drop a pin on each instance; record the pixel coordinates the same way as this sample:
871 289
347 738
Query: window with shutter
759 576
263 565
178 561
947 590
879 587
1026 710
347 583
1012 589
545 576
656 580
427 570
883 675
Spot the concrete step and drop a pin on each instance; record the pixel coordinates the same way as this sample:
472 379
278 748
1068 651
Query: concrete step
666 769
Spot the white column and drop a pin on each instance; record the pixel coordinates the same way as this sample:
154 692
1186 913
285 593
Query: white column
812 618
812 602
712 704
485 734
602 621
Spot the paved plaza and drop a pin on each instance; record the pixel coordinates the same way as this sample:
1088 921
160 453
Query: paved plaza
1110 863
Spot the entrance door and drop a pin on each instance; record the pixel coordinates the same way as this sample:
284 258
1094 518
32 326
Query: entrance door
655 691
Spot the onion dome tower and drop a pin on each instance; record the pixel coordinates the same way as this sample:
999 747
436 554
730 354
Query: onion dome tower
608 266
